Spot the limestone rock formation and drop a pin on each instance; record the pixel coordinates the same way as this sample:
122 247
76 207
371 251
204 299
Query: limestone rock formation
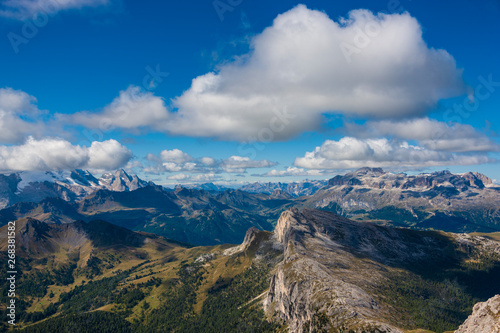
309 290
485 318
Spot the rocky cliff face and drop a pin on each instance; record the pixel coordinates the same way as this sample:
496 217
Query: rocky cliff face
310 289
333 270
485 318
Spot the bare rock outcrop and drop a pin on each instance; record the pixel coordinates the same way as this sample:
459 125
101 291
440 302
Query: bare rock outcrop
334 269
485 318
312 289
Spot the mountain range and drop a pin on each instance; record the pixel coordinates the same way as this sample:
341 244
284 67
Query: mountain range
118 254
468 202
295 189
315 272
34 186
186 215
441 200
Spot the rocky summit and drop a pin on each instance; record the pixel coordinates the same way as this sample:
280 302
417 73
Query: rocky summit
34 186
316 272
441 200
484 318
337 275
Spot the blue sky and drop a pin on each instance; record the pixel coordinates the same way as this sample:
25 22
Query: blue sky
238 90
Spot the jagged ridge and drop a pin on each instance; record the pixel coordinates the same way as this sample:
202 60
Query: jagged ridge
333 269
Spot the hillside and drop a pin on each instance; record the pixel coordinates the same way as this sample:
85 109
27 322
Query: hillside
99 277
316 272
345 275
187 215
294 189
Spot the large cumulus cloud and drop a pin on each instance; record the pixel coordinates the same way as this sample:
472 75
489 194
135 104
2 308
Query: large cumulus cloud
303 66
299 65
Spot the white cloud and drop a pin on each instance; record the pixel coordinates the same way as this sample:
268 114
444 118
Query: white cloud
176 160
238 164
176 167
208 161
133 167
18 116
176 156
26 9
132 109
430 133
295 72
16 100
298 65
108 155
350 153
292 171
180 176
202 178
58 154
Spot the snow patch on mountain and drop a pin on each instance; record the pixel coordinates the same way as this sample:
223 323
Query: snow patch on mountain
29 177
33 186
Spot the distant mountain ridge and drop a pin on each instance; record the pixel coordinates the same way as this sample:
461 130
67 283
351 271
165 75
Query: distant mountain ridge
295 189
210 187
440 200
187 215
378 178
34 186
468 202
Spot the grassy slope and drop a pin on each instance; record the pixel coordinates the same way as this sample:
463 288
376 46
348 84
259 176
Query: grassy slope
133 282
224 281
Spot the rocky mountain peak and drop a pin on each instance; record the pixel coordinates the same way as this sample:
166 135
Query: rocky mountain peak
123 175
286 223
485 317
32 229
280 194
441 173
477 178
84 177
251 238
315 252
332 268
121 181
